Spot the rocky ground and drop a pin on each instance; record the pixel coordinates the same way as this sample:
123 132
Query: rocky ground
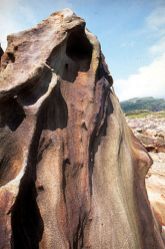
150 130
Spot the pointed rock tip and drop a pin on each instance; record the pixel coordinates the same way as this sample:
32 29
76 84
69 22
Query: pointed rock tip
65 12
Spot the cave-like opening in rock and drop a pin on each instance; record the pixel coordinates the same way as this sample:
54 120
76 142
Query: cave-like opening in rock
27 224
79 49
11 114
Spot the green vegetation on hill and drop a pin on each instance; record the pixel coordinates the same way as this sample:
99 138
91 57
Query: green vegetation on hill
147 104
145 114
138 114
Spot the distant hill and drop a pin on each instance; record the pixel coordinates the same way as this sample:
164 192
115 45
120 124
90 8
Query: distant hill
147 103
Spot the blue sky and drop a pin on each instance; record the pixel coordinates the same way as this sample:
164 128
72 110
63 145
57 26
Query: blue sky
131 33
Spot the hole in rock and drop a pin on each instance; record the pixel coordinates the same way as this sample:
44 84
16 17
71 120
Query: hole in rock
66 66
55 111
78 46
72 56
35 89
40 188
11 114
26 221
11 57
27 224
78 55
1 52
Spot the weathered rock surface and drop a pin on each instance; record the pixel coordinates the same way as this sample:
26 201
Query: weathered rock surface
155 182
150 131
71 171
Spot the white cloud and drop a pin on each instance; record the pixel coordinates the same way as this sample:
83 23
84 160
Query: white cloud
149 80
158 48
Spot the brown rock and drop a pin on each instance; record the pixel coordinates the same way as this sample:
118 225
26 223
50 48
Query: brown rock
151 132
72 173
155 184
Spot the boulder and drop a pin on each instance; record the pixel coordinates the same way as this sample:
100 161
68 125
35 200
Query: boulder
72 174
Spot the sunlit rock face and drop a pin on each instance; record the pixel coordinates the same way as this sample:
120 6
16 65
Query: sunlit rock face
155 183
71 171
151 132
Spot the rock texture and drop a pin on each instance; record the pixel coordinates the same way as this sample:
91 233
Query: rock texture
150 130
71 171
155 182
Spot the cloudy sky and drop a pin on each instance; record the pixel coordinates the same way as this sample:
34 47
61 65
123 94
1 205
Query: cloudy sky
131 33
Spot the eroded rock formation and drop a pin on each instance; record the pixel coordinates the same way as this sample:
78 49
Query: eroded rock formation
71 171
